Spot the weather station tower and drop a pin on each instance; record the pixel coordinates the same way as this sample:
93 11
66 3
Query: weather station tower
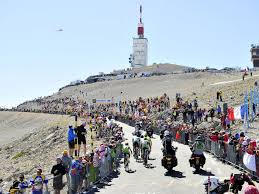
139 58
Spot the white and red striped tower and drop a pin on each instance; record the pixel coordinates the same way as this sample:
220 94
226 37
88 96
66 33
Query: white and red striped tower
140 46
140 24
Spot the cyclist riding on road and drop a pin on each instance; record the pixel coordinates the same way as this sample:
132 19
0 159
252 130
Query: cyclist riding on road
198 149
146 144
136 141
126 152
149 140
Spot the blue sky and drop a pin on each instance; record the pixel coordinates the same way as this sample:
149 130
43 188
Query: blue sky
36 60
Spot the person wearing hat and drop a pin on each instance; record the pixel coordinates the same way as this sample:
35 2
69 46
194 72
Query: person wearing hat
197 150
38 181
58 171
71 140
67 162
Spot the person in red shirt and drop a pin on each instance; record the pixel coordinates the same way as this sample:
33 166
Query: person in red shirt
225 138
214 137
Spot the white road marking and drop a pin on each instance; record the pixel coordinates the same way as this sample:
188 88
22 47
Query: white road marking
231 81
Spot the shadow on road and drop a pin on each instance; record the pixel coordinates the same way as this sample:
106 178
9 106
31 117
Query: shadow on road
102 184
205 173
175 174
150 166
131 171
139 161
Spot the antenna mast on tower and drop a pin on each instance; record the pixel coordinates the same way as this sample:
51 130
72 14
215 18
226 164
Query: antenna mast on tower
140 25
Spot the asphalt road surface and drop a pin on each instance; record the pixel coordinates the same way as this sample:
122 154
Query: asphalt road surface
153 180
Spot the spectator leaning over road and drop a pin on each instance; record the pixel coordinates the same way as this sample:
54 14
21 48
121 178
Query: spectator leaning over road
96 162
86 163
81 135
82 175
58 171
92 177
71 140
103 161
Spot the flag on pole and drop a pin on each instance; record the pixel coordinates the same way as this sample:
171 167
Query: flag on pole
254 102
177 136
251 105
231 115
246 115
237 113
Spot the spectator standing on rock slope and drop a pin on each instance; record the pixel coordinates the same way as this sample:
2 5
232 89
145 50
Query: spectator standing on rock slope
71 140
58 171
81 135
38 181
67 162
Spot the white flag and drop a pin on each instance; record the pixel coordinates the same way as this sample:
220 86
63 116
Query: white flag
237 113
249 161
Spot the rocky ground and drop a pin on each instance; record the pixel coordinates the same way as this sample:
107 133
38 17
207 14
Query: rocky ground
37 148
